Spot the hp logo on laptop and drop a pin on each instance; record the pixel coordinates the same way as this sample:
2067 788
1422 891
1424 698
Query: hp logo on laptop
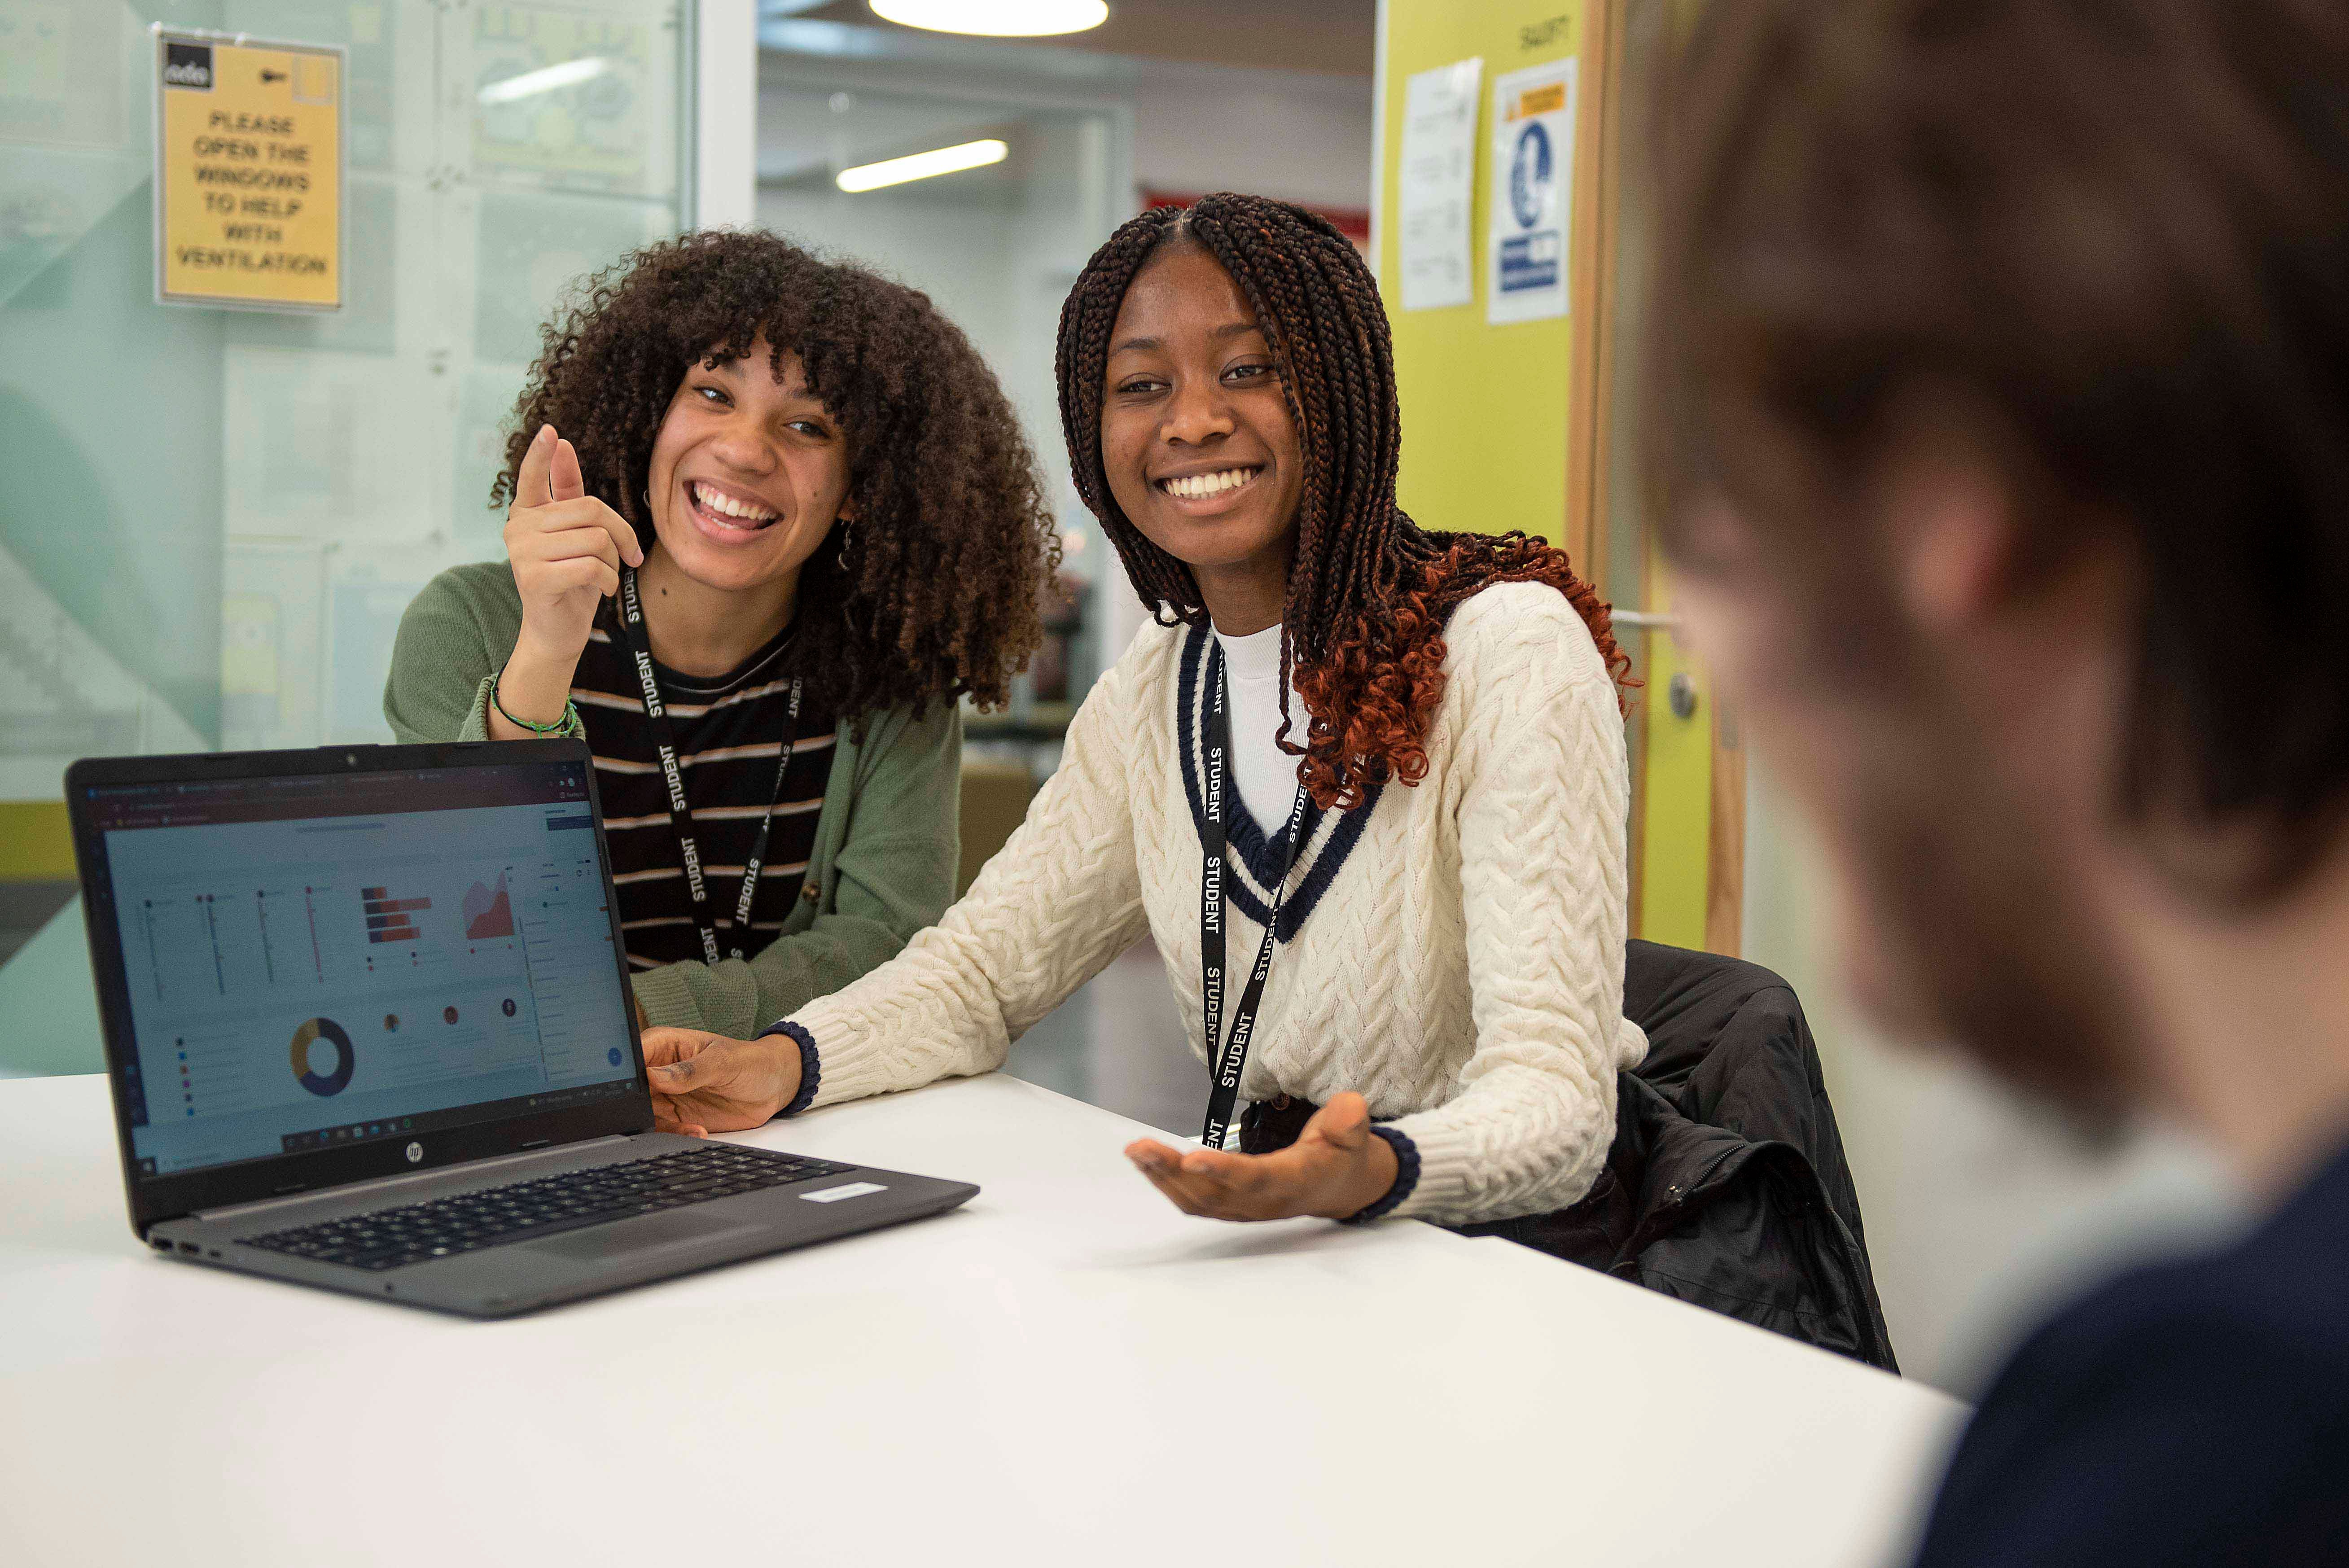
415 1154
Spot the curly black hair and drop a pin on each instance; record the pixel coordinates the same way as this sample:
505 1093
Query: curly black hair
937 595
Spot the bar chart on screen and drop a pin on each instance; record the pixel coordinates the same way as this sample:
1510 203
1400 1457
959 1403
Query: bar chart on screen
391 919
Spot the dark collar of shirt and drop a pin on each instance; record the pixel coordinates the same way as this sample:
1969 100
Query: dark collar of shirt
2192 1413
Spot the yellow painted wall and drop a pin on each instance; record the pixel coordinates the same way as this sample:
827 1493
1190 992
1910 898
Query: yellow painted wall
35 843
1484 407
1676 820
1487 422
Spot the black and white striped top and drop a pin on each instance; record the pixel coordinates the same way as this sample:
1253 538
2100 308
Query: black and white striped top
729 732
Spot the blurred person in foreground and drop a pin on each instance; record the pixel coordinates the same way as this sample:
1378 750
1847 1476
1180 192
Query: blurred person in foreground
2001 394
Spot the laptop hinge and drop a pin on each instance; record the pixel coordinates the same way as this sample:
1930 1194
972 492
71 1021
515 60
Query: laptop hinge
410 1179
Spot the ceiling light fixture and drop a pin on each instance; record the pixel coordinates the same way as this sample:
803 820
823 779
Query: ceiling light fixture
994 18
546 79
922 165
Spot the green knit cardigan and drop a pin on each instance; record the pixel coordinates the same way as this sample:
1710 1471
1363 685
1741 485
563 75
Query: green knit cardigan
887 843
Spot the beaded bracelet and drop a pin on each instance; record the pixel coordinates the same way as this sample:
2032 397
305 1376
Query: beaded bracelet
570 713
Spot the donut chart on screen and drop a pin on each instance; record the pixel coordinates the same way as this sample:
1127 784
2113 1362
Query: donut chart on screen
346 1058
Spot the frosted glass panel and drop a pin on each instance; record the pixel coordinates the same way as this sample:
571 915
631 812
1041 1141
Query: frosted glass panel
576 97
110 421
529 246
213 518
523 146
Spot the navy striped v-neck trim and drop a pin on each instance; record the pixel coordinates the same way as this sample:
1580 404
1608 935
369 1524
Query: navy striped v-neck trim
1330 836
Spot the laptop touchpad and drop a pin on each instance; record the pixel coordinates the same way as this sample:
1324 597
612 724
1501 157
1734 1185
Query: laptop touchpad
606 1242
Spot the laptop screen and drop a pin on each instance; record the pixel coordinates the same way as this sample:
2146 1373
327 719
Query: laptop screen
320 960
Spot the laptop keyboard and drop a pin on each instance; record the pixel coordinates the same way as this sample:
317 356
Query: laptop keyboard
497 1216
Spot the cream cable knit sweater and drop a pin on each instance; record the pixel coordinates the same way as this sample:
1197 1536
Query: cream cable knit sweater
1453 951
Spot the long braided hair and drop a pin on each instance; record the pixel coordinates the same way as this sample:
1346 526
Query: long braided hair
1370 591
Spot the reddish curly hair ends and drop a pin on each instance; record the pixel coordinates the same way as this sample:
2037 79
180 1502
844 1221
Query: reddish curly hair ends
1370 592
932 592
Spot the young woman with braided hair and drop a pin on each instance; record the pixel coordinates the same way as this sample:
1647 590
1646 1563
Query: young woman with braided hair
1439 928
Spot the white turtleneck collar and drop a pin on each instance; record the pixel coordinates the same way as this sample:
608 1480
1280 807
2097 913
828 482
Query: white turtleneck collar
1266 775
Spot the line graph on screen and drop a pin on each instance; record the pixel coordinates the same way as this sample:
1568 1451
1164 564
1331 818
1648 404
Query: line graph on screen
488 912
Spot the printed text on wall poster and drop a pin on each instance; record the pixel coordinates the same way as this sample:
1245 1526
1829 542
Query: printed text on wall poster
248 172
1436 185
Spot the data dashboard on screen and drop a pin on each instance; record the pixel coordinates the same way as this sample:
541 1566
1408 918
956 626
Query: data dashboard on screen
320 960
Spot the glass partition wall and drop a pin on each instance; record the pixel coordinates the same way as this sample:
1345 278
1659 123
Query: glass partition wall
213 518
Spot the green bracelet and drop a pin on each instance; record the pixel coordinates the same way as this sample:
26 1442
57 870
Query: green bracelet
570 711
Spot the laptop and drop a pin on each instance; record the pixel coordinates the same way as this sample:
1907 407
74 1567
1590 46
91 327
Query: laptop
369 1028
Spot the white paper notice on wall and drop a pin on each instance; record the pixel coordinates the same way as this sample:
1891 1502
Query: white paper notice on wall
1532 176
1436 186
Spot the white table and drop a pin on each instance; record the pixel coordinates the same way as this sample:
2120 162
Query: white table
1067 1370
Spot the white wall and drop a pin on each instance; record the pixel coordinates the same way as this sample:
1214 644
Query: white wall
725 113
1982 1212
1297 135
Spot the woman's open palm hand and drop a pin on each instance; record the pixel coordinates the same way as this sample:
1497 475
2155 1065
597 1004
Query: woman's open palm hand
1336 1169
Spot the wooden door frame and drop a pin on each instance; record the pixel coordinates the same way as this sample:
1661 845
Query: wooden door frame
1593 428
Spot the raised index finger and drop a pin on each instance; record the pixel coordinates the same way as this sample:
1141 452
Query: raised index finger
530 488
562 474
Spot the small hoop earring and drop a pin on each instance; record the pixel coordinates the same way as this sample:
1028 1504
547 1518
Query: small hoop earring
846 528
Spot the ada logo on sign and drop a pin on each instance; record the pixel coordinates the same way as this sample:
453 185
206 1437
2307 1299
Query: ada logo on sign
188 66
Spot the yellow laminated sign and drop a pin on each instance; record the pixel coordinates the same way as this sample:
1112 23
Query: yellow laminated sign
248 172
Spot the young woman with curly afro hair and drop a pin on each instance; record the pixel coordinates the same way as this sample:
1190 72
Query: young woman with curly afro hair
1432 1025
769 518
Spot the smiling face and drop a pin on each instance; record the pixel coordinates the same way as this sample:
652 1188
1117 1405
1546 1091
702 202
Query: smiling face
749 472
1197 441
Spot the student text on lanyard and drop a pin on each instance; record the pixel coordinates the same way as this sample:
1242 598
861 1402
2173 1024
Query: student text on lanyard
680 814
1224 1091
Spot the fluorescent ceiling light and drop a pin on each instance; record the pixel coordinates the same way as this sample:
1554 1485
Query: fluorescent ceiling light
546 79
994 18
923 165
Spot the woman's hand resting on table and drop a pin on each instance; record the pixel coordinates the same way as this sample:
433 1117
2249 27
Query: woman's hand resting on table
704 1083
1336 1169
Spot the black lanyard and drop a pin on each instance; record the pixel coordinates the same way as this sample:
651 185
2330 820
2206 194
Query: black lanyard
680 813
1224 1091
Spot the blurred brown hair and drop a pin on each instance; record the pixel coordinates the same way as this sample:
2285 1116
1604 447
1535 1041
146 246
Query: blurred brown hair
2119 231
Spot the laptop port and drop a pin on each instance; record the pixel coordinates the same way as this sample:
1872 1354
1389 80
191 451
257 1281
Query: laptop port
188 1247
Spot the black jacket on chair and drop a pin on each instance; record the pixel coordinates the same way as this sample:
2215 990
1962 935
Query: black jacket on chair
1726 1185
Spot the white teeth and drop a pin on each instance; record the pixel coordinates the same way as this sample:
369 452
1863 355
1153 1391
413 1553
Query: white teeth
726 506
1193 486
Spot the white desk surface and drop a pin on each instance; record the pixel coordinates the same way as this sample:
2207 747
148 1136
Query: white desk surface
1067 1370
